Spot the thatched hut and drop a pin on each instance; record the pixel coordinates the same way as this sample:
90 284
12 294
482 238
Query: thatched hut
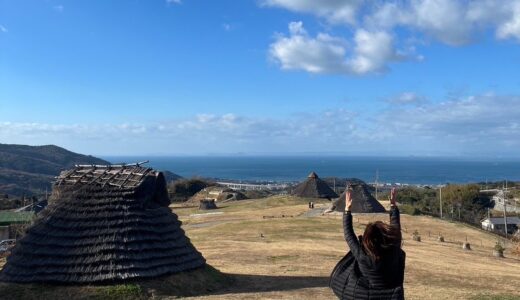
103 224
207 204
314 187
362 200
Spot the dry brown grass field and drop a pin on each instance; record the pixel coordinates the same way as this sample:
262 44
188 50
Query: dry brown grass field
274 248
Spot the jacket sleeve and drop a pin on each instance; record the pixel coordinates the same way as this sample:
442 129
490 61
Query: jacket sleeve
395 217
395 220
350 236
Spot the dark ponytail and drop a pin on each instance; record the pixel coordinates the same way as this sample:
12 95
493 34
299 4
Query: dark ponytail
379 238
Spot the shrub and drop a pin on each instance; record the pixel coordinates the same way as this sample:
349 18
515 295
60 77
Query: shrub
498 247
409 209
416 236
123 291
183 189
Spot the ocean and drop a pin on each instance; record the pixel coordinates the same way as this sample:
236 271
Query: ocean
412 170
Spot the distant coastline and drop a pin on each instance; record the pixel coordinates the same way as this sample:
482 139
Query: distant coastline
402 170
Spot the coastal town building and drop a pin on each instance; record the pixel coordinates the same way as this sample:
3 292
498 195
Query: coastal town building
497 224
502 203
252 186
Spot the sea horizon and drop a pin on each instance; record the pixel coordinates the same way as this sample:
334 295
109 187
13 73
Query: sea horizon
432 170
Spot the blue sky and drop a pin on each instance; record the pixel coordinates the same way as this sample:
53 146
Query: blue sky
418 77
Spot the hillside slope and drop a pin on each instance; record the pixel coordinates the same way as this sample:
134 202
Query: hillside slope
272 248
295 254
30 169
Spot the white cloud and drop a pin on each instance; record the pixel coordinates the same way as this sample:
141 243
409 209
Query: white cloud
3 29
407 98
299 51
444 20
59 8
376 24
510 28
480 125
450 22
173 1
227 26
335 11
371 52
221 133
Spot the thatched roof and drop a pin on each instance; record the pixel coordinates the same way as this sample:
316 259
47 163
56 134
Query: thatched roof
314 187
362 201
103 223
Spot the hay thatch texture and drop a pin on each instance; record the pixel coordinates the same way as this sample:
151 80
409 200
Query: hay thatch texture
103 223
207 204
362 201
314 187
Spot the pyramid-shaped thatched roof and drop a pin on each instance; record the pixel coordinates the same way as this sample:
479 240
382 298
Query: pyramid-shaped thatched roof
314 187
103 223
362 200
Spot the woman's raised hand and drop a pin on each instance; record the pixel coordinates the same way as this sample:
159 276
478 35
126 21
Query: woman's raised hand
348 199
393 196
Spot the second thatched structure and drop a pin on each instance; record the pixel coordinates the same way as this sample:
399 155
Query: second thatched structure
362 200
314 187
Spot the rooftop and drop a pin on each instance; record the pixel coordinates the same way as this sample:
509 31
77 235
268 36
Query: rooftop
123 176
13 217
500 220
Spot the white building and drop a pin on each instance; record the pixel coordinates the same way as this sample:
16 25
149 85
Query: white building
498 223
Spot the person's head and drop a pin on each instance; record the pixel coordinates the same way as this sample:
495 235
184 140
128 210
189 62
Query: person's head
379 237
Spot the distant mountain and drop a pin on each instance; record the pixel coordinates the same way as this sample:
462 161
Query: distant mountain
29 170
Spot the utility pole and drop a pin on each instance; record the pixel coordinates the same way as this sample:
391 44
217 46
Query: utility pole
377 178
334 185
440 199
505 210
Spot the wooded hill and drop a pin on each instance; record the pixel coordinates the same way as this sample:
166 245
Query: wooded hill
29 170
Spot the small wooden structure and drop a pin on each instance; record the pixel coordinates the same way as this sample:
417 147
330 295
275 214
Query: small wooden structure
207 204
103 224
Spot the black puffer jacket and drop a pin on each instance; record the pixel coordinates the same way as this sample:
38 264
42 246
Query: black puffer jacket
357 276
386 273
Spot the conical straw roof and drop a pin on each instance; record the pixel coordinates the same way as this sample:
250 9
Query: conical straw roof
314 187
362 201
103 223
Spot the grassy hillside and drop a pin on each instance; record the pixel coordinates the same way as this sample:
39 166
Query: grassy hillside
298 250
273 248
30 169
